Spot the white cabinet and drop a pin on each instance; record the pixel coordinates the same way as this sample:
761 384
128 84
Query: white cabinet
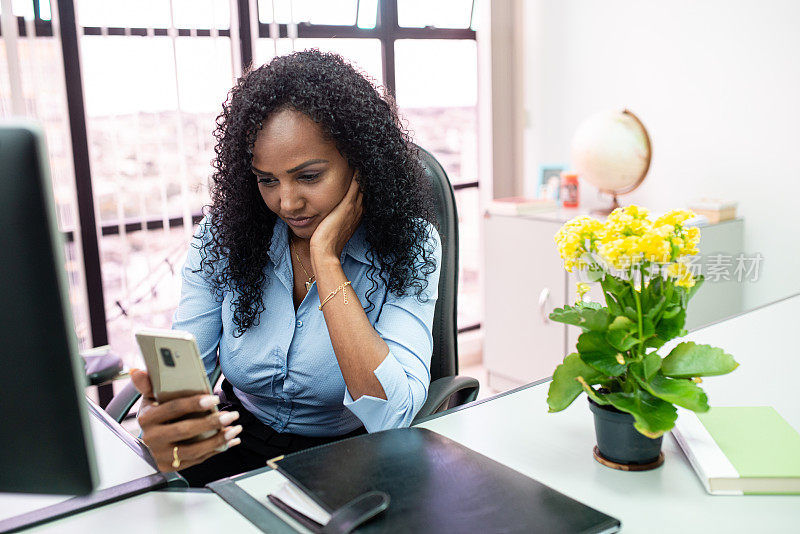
525 280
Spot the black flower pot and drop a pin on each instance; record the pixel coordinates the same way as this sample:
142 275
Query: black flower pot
619 442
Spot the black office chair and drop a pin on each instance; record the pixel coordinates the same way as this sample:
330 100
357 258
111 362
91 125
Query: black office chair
447 389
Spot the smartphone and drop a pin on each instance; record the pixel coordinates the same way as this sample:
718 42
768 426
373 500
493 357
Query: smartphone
175 367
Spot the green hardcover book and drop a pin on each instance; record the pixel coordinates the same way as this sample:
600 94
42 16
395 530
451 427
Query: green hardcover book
741 450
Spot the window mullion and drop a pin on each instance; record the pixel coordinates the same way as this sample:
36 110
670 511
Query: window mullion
181 140
388 25
68 32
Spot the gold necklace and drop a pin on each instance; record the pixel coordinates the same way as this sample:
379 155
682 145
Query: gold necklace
310 280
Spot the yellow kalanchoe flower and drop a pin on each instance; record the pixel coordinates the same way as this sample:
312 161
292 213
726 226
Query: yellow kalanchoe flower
654 247
575 238
691 240
637 212
682 274
581 288
674 217
622 252
627 238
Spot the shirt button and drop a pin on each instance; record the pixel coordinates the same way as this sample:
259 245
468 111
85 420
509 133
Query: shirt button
299 324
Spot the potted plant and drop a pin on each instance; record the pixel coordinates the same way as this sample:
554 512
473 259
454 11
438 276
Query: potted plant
642 266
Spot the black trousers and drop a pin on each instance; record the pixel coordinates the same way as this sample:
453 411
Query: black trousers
259 444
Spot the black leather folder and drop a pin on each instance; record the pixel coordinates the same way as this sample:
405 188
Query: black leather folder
435 485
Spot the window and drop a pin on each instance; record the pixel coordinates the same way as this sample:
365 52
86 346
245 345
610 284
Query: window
37 91
365 54
437 93
154 76
425 54
439 14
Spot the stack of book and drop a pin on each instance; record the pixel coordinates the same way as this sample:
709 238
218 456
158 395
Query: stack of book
741 450
714 210
520 206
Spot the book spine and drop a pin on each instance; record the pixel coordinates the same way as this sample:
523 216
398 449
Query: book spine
707 459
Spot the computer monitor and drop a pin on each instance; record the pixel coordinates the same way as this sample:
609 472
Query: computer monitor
45 441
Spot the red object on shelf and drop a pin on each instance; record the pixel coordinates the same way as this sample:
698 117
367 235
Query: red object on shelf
569 190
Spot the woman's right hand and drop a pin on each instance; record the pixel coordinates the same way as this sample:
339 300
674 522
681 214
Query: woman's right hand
162 436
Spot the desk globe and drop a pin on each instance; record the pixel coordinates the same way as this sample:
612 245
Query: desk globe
611 150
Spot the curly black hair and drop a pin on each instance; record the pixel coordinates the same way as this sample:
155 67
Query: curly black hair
365 127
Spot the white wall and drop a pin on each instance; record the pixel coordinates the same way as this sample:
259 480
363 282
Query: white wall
716 83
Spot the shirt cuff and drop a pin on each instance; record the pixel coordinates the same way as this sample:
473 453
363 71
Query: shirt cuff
371 410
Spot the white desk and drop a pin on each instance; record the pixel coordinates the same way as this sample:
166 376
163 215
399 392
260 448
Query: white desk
556 449
120 459
167 512
117 463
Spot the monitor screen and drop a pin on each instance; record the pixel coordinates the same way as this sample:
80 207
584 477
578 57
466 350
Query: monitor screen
45 441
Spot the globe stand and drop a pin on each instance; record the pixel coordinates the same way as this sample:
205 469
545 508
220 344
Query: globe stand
604 212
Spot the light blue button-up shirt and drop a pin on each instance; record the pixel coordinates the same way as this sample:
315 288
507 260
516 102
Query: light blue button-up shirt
284 369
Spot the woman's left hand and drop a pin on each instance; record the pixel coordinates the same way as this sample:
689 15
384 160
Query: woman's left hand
336 229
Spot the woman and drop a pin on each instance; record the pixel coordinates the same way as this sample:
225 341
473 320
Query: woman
313 278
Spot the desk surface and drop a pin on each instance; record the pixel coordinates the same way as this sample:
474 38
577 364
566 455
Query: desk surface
556 449
165 512
118 461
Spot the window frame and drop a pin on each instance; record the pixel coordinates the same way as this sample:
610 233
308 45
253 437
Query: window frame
386 30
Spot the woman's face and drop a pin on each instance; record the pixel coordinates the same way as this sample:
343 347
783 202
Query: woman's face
301 175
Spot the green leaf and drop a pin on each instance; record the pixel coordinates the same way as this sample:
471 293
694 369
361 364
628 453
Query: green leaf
587 317
615 285
651 363
671 327
682 295
672 292
622 333
565 387
614 309
631 314
593 275
689 359
648 328
698 281
654 309
652 416
620 290
589 304
596 351
651 295
654 342
675 390
591 393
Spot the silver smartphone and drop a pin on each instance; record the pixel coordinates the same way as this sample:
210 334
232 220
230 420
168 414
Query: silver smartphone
175 367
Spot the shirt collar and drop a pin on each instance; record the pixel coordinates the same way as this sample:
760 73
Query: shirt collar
356 247
279 242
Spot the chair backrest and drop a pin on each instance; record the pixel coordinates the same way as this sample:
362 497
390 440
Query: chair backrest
444 360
